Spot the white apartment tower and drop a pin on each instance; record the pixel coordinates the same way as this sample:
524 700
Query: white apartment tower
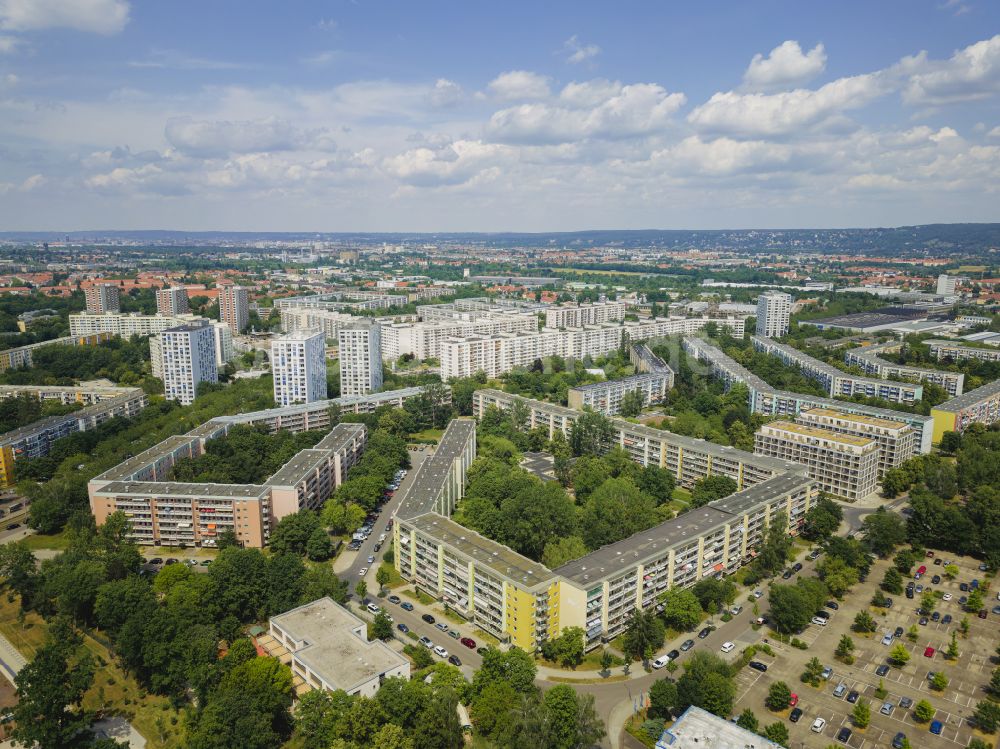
234 307
360 358
103 297
298 362
946 285
224 352
774 308
172 301
186 356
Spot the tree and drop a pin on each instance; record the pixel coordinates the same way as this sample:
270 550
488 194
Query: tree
437 725
19 570
381 577
777 732
607 660
709 488
923 711
975 601
791 608
713 594
632 403
492 705
994 686
50 690
975 743
845 649
892 582
657 482
899 654
293 532
361 589
682 610
391 736
778 696
861 716
863 622
566 649
883 531
951 571
318 546
822 519
952 651
615 510
662 698
561 551
939 682
643 636
747 720
928 601
381 627
904 560
706 683
591 434
813 672
987 716
837 575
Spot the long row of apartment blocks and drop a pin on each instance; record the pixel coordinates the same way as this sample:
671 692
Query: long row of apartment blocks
653 380
171 513
770 401
522 601
869 360
104 401
22 356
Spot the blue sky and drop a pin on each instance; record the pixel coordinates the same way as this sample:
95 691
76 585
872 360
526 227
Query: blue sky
386 116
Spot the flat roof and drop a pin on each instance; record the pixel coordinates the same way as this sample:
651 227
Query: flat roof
859 418
622 381
434 471
298 466
699 729
332 648
811 431
182 489
861 320
303 334
971 398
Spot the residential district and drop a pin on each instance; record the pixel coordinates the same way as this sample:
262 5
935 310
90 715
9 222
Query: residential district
568 491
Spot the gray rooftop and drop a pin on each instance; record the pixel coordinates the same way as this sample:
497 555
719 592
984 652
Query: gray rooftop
433 472
333 648
182 490
971 398
700 729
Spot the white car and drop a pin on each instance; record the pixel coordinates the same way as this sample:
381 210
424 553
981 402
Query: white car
819 620
758 593
947 597
728 647
440 651
362 572
662 661
818 725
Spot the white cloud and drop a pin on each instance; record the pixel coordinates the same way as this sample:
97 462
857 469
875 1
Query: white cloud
786 65
215 138
582 111
519 84
994 133
9 44
722 156
97 16
327 24
446 93
32 183
320 59
971 73
455 164
786 112
578 51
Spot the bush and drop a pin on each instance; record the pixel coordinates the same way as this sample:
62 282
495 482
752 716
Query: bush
797 643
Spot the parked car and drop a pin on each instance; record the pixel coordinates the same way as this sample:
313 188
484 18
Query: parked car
758 593
468 642
795 715
982 613
705 632
727 647
440 652
936 579
964 587
818 725
827 673
832 605
482 650
442 626
946 619
946 597
402 628
839 691
852 696
453 660
905 702
674 654
923 621
936 727
758 666
936 616
898 632
394 599
687 645
426 642
373 609
797 567
406 606
887 638
886 708
820 621
362 572
786 574
735 610
453 634
882 670
843 735
794 700
899 739
909 593
428 618
660 662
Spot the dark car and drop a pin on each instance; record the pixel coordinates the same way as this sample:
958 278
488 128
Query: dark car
170 561
12 526
905 703
909 593
938 562
453 660
428 618
704 633
843 735
882 670
795 715
898 632
964 587
923 621
982 613
832 605
156 560
758 666
899 738
674 655
946 619
402 628
482 650
797 566
687 645
936 616
786 574
936 579
406 606
468 642
962 600
852 696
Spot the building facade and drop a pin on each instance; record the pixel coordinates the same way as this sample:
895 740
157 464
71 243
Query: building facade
578 315
185 356
360 358
172 301
959 352
103 297
234 307
979 406
21 356
774 310
897 440
298 364
869 360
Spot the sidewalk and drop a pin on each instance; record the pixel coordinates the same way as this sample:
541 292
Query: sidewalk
11 660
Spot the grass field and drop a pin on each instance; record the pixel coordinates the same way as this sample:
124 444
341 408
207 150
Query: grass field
427 435
395 581
113 691
58 542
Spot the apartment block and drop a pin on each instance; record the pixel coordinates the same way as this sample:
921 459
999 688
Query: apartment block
172 301
20 356
315 318
578 315
234 307
979 406
298 364
360 355
128 325
327 647
774 310
423 340
103 297
959 352
869 360
170 513
897 440
654 380
770 401
946 285
836 381
185 356
223 337
843 465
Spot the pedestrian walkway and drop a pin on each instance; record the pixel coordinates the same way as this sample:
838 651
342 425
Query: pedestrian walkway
11 660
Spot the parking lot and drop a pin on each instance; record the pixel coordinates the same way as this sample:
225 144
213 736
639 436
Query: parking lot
954 705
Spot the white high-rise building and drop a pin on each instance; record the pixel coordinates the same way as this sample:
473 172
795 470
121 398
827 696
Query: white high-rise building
774 308
234 307
224 352
298 363
172 301
103 297
946 285
360 358
183 357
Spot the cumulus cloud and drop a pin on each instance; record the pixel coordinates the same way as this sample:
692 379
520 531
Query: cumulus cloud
445 93
582 111
969 74
519 84
578 52
786 65
96 16
994 133
219 138
786 112
454 164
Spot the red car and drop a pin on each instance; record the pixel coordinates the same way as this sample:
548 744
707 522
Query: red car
468 642
929 652
930 554
794 700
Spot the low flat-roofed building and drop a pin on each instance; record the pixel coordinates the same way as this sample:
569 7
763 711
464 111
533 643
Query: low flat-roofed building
699 729
842 464
328 648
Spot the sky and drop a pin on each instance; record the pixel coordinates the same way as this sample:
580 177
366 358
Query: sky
370 115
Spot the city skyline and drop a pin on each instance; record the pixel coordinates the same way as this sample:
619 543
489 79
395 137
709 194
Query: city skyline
328 117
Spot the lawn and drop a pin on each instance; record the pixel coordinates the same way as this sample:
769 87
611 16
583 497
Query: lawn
591 662
418 595
113 691
37 541
681 495
427 435
395 581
